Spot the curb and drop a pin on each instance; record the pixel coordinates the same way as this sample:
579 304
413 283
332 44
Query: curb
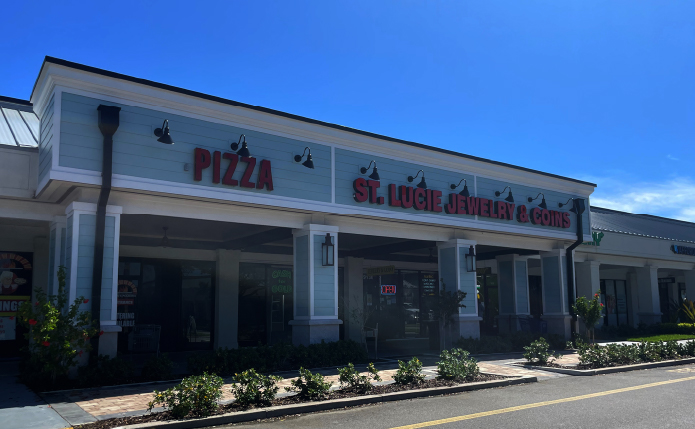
611 370
312 407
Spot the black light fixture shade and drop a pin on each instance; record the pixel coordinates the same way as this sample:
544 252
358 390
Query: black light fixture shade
464 192
309 163
422 184
509 198
470 260
163 133
328 251
375 173
578 205
244 151
165 239
542 205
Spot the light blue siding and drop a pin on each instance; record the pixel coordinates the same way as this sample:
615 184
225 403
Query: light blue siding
68 248
301 276
468 284
137 152
506 286
552 296
447 268
85 262
521 274
324 282
51 260
46 139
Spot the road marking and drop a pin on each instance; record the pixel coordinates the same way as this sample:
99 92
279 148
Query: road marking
540 404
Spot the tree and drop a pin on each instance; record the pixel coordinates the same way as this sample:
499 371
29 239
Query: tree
58 333
590 313
447 306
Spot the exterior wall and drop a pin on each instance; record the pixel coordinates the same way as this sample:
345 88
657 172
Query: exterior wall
46 139
18 175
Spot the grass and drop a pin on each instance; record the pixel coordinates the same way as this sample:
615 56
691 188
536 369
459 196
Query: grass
666 337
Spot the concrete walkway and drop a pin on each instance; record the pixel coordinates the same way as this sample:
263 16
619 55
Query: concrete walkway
20 408
88 405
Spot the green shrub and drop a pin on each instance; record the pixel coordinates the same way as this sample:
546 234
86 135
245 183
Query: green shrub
252 388
279 357
458 365
105 371
310 385
590 311
506 343
409 373
195 396
351 379
595 356
158 368
539 352
592 355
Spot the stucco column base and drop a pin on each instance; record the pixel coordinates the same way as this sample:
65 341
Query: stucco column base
108 343
560 324
649 318
305 332
465 327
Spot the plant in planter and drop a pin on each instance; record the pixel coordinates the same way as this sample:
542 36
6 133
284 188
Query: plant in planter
590 313
351 379
196 396
539 352
447 306
687 311
458 365
158 368
309 385
58 333
409 373
252 388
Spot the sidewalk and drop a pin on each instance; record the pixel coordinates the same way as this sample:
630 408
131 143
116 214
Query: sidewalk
20 408
88 405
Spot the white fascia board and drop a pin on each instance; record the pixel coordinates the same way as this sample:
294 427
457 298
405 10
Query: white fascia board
125 92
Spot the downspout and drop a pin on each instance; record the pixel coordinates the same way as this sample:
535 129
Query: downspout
108 124
578 207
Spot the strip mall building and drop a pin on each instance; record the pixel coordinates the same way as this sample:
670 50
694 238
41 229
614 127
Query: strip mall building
258 227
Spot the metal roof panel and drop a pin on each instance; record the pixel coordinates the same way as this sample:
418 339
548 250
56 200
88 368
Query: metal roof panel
22 134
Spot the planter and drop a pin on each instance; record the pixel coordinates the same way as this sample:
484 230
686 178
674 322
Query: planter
612 369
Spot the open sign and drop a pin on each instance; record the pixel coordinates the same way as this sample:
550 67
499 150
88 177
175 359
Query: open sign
388 289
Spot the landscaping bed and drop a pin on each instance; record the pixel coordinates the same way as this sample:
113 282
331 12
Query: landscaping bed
290 400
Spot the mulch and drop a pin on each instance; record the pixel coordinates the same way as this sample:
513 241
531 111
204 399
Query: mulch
287 400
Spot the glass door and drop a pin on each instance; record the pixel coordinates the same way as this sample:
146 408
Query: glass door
614 299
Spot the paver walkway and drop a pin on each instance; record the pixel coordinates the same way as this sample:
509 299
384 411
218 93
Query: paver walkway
103 403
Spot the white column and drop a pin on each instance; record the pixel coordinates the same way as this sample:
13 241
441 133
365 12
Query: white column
353 298
648 295
227 299
56 252
588 278
513 291
453 272
315 287
690 284
554 282
79 260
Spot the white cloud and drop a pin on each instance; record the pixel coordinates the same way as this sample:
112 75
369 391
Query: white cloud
672 158
674 198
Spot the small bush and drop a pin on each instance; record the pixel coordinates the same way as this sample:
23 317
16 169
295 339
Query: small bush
158 368
310 385
539 352
506 343
409 373
252 388
458 365
105 372
351 379
196 396
592 355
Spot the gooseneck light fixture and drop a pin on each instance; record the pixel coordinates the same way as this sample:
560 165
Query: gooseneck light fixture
542 205
165 239
163 133
470 260
244 151
328 251
375 173
577 205
509 197
309 163
464 192
422 184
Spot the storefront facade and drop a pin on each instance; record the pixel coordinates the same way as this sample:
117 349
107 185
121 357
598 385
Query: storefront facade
259 227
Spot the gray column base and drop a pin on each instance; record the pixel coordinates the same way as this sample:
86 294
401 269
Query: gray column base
509 323
649 318
108 342
560 324
466 327
314 331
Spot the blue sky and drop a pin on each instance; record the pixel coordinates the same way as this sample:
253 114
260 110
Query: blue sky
595 90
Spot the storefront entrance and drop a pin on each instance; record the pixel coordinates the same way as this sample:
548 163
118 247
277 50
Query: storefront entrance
171 301
402 304
488 301
614 298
